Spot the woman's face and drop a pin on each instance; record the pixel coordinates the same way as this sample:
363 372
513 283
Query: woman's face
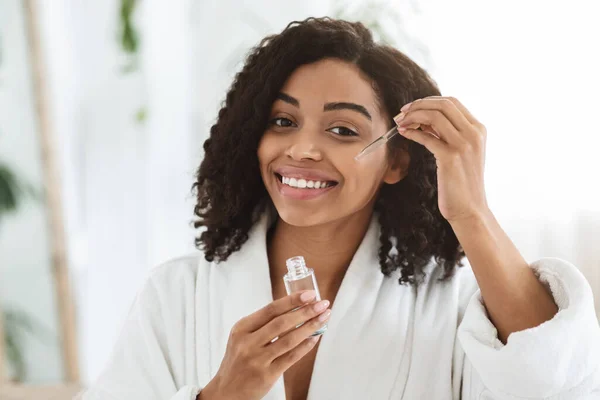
325 115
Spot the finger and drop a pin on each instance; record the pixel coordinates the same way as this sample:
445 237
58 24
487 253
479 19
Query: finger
443 105
285 344
431 143
426 128
461 108
288 322
282 363
260 318
436 120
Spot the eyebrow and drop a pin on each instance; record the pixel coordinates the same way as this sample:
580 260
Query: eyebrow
329 106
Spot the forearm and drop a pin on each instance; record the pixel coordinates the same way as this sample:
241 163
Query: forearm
514 298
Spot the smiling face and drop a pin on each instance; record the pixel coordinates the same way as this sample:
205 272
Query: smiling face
325 114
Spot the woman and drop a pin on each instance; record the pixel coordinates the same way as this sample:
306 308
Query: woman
385 236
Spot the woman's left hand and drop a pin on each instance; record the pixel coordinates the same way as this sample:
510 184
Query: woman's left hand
459 149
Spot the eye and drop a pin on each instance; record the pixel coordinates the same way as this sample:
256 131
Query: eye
343 131
281 122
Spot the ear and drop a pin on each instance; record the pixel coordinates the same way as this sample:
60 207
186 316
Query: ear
397 168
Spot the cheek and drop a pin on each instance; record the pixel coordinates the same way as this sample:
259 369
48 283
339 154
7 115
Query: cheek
368 180
364 176
267 150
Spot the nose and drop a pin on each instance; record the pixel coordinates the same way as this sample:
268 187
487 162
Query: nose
304 146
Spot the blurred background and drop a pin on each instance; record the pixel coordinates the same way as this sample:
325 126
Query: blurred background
105 105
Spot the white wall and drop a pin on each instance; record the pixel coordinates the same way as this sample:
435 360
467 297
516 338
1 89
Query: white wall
25 277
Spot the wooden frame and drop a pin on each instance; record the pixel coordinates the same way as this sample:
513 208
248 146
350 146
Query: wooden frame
60 270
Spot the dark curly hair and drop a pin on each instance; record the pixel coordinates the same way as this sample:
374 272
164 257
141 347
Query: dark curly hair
229 186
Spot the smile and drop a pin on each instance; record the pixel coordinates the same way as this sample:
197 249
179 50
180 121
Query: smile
298 188
302 183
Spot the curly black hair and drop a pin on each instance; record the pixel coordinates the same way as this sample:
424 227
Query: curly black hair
229 186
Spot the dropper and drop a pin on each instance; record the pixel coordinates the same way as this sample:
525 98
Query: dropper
383 139
377 143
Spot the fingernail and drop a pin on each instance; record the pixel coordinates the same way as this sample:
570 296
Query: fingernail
398 118
307 296
406 107
325 315
401 129
320 306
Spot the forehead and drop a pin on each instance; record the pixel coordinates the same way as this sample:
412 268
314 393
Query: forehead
331 80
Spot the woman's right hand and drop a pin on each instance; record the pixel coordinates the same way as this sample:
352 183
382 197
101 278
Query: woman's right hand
253 361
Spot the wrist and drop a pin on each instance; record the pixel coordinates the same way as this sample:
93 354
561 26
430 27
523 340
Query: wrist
209 392
475 220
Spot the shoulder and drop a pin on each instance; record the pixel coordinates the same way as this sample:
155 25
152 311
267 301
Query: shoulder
178 278
180 268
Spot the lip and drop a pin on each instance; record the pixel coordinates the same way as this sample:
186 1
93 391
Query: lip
305 173
300 194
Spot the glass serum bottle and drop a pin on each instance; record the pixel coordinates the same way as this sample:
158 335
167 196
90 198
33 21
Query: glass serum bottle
298 278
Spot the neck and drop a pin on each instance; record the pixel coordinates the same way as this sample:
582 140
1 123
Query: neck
327 248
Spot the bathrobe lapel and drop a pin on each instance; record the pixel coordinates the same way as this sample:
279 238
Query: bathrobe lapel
362 353
239 287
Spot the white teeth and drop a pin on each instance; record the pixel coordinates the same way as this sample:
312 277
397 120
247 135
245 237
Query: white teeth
303 183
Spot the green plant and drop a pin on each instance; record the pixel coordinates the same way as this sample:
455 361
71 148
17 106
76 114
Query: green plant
9 190
129 41
16 325
10 194
128 34
15 322
12 191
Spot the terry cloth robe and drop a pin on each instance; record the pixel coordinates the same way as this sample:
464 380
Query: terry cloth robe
384 340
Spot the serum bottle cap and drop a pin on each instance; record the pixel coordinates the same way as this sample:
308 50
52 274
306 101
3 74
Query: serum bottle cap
296 267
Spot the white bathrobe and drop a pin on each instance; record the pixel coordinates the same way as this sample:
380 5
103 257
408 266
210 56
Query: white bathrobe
384 340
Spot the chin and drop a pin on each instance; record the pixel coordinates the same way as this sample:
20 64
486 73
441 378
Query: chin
303 218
